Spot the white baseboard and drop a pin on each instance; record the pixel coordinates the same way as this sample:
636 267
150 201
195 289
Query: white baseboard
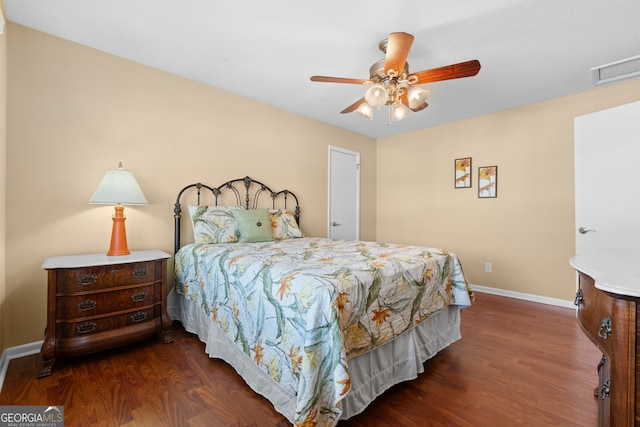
528 297
14 353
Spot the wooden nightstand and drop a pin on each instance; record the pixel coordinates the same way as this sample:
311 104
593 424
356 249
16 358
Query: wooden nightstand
96 302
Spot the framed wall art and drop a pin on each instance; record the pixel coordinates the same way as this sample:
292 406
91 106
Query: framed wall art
462 173
487 181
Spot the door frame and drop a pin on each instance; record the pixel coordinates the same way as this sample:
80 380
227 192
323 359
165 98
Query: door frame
357 183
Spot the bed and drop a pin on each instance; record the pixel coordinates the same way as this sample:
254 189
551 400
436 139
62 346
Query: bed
318 327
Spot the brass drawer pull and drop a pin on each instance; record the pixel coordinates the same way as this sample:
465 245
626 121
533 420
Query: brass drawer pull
88 279
141 272
605 328
87 304
86 327
138 316
139 296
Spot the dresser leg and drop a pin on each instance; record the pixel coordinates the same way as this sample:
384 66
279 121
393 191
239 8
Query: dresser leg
47 352
166 329
46 369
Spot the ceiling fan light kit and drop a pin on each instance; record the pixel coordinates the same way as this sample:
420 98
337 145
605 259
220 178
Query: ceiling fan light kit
365 110
376 95
416 96
398 89
399 111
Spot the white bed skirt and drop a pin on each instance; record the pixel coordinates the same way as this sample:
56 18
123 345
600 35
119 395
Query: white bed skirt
371 373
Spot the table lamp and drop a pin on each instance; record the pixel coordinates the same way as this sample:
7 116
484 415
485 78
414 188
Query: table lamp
118 187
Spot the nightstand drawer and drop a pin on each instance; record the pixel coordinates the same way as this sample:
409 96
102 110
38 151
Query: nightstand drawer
93 278
81 306
92 326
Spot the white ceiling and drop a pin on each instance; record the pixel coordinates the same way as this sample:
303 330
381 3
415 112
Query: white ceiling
530 50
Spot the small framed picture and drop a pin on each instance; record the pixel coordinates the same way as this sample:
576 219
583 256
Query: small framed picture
462 173
487 181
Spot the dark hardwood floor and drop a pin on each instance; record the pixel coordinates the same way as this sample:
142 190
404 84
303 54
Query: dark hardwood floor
518 363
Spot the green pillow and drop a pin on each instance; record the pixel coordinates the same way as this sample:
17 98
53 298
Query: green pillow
254 225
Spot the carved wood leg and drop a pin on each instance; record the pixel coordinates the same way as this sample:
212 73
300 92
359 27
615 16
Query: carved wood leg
47 352
166 329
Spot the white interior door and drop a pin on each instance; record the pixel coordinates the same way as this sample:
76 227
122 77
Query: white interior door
607 184
344 194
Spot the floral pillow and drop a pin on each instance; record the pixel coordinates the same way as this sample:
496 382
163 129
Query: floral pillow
284 224
214 224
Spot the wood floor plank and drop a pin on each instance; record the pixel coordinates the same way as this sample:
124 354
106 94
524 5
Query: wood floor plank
518 363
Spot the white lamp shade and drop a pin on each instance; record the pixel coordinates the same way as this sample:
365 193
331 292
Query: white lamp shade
399 111
365 110
376 95
118 187
416 96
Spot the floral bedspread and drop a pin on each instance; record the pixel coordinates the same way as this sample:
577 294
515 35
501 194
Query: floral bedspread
301 308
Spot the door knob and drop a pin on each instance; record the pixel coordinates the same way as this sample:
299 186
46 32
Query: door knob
583 230
335 224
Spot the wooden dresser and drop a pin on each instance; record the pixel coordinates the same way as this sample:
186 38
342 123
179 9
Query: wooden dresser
607 299
97 302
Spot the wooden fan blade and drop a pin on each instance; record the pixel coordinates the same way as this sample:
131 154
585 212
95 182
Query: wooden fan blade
448 72
398 47
353 107
337 80
405 101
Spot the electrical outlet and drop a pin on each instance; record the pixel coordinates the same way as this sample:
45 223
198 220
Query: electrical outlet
488 267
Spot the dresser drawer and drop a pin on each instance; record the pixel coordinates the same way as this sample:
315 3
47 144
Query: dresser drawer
81 306
93 326
595 312
93 278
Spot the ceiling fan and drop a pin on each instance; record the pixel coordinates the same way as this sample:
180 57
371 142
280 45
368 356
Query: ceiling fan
392 84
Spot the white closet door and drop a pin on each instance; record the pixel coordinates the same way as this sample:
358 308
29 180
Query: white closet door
607 179
344 194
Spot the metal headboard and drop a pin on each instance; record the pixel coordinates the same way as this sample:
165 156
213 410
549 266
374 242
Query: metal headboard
250 200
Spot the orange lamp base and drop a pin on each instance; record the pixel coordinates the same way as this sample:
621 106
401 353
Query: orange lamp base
118 234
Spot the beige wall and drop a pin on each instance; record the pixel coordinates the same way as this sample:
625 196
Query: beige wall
3 169
528 231
75 112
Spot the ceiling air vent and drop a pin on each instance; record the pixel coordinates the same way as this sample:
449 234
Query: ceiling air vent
619 70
